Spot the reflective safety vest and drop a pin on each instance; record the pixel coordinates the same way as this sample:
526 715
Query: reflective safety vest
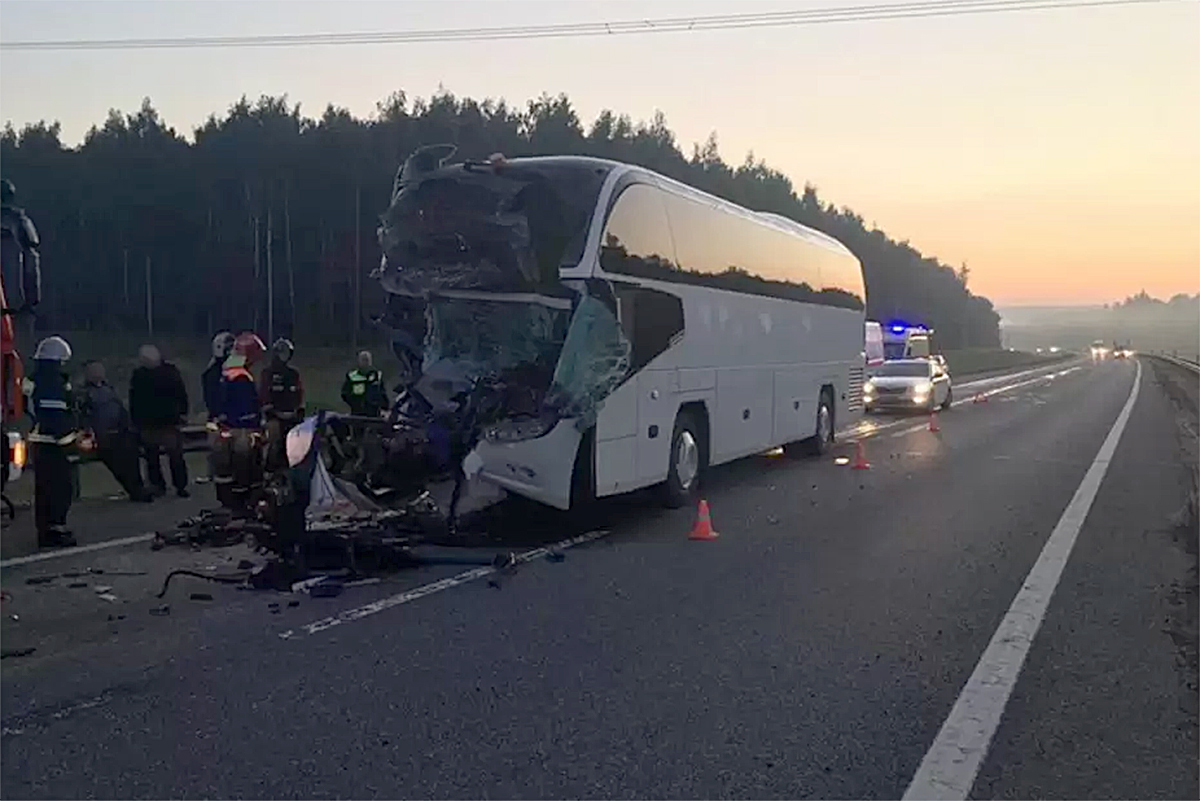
52 406
363 392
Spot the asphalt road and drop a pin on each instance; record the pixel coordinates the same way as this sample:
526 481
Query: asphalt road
814 650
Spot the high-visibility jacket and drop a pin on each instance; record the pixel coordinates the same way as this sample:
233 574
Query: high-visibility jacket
363 392
239 406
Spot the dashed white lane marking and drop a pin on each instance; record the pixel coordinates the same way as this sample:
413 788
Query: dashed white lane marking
949 768
383 604
65 552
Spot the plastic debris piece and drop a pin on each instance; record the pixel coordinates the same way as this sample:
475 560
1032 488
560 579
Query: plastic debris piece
362 582
40 579
108 596
161 611
201 596
75 585
72 574
555 556
102 589
293 603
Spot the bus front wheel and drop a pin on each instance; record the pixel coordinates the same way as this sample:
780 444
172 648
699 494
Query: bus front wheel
688 460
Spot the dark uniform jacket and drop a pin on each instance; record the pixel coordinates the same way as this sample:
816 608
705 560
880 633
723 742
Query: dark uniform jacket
101 410
280 390
52 405
157 397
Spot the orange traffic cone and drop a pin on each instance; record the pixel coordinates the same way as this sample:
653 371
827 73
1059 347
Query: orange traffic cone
703 529
860 458
933 424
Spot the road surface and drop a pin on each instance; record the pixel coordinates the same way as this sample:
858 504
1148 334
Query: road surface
817 649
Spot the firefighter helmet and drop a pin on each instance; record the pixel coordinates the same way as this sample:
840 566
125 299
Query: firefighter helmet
283 348
53 349
248 346
222 345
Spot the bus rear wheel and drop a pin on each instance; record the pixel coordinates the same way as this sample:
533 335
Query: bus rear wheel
822 439
688 461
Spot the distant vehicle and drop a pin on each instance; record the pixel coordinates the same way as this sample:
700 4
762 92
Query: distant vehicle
903 341
873 344
909 384
1122 351
1099 351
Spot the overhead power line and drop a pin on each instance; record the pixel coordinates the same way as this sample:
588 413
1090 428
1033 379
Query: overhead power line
777 19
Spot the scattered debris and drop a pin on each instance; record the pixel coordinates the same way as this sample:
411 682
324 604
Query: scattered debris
112 618
161 611
108 596
555 555
245 564
236 578
16 618
201 596
77 585
293 603
326 589
72 575
7 652
40 579
101 589
361 582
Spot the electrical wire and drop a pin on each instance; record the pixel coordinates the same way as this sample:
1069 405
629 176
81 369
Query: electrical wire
777 19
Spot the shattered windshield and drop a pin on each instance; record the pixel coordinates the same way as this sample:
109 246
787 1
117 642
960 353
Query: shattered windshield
491 336
476 227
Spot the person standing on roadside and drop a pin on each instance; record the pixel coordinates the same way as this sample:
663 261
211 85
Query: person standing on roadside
363 388
54 436
281 393
102 413
210 383
158 406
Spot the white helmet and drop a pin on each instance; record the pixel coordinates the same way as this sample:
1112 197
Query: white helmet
53 349
222 345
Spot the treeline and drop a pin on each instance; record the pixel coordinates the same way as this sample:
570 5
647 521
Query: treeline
142 227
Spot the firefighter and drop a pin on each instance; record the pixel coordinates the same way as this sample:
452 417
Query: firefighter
53 437
238 459
363 388
210 384
282 396
19 262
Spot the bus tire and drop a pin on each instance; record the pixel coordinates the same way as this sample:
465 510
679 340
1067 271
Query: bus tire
820 443
687 460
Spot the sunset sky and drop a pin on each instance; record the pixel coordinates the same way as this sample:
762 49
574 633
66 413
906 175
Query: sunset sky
1057 152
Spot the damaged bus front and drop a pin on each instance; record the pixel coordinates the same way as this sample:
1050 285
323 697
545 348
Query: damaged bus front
472 259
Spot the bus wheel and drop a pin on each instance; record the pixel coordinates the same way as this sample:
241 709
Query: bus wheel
688 460
820 443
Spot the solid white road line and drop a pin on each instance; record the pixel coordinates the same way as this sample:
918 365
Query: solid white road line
949 768
65 552
375 607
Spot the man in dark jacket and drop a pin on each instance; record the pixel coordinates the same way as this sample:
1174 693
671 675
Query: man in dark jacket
158 405
103 414
281 393
54 436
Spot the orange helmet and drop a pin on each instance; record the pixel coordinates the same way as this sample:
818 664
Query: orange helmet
249 346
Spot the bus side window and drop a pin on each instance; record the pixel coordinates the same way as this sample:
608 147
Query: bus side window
650 319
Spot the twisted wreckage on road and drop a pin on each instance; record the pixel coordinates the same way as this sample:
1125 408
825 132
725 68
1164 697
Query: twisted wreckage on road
576 328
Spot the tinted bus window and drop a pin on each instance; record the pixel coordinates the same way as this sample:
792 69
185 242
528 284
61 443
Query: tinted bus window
716 248
637 238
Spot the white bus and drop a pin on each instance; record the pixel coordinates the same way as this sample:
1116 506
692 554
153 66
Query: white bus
654 330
